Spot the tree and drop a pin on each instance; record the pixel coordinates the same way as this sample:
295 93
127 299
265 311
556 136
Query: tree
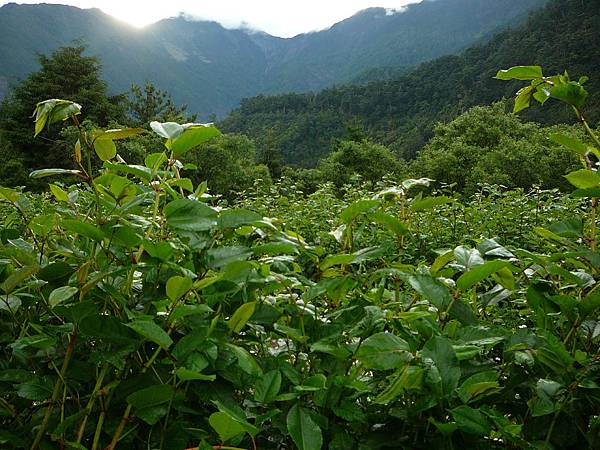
487 145
227 164
370 161
150 103
270 155
66 73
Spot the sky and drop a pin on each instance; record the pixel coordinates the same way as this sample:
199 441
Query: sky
283 18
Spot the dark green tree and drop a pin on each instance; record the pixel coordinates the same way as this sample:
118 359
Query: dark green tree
270 155
149 103
370 161
66 73
227 164
487 145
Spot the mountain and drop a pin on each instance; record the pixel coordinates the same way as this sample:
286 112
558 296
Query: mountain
211 68
402 112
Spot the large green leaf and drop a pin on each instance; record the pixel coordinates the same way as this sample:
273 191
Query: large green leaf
241 316
268 387
305 433
584 179
190 215
383 351
121 133
151 396
572 144
225 425
61 294
479 273
571 93
193 136
152 332
440 351
357 208
168 130
431 289
429 203
105 149
471 420
520 73
177 287
42 173
83 229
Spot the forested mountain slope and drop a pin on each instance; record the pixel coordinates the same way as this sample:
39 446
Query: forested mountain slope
402 112
211 68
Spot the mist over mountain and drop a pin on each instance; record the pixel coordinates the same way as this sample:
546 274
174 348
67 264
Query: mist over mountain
211 68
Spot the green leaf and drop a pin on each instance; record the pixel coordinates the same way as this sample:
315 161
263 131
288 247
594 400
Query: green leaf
168 130
182 311
10 303
429 203
268 387
105 149
141 172
479 385
390 222
583 179
151 396
225 426
83 229
121 133
59 194
313 383
431 289
17 277
523 99
520 73
193 136
410 378
190 215
440 351
356 209
61 294
246 361
471 420
241 316
53 110
233 218
383 351
177 287
191 375
467 257
36 174
305 433
571 93
572 144
479 273
152 332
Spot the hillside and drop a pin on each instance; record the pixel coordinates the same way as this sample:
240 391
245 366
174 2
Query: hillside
402 112
211 68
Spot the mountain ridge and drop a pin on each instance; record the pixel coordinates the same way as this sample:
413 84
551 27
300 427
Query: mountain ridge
211 68
401 112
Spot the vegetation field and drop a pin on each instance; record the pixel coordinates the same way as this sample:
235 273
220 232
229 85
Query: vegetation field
140 311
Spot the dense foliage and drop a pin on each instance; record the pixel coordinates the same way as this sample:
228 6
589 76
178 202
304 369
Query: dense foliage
401 113
139 312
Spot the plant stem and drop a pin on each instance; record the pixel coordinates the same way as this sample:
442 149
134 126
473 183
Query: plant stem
91 401
125 417
56 391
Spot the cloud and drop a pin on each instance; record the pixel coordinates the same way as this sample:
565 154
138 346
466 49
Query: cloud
283 18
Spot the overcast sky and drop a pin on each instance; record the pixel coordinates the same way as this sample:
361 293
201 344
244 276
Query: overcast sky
278 17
